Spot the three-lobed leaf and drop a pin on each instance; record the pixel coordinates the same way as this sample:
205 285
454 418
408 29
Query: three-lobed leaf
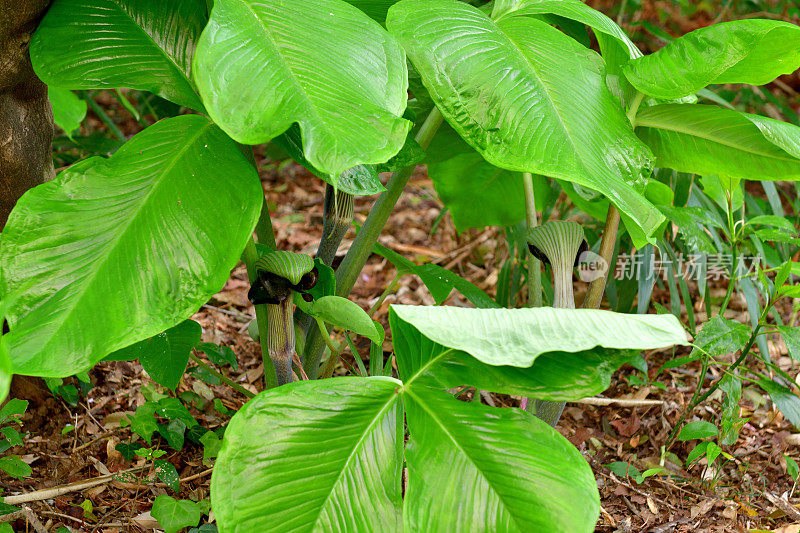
142 44
115 251
260 67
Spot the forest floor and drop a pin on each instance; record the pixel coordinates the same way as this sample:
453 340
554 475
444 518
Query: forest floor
732 495
750 491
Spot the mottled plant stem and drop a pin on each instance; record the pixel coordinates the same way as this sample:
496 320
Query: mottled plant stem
534 265
250 257
280 340
359 252
337 216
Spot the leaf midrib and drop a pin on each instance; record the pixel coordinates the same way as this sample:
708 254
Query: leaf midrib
452 438
163 52
112 246
652 122
358 445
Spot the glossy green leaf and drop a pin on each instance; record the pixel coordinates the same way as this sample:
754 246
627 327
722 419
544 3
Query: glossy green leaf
219 355
337 443
462 177
751 51
261 67
571 9
508 88
164 356
68 110
554 376
361 180
706 139
289 265
784 399
697 429
174 515
142 44
516 337
115 251
475 468
343 313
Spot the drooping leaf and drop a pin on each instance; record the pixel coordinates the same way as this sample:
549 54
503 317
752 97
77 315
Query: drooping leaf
361 180
554 376
704 139
475 468
174 515
219 355
571 9
164 356
167 473
99 44
791 336
261 67
68 110
15 467
754 51
343 313
463 178
785 400
508 88
115 251
691 223
349 429
516 337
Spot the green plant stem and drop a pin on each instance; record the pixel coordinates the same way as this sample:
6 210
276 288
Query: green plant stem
386 292
359 252
336 219
250 257
264 232
534 265
103 116
226 380
280 340
697 398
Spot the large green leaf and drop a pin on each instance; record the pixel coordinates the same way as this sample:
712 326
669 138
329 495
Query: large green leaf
475 468
115 251
516 337
461 177
313 456
164 356
571 9
743 51
509 89
554 376
705 139
68 110
261 67
141 44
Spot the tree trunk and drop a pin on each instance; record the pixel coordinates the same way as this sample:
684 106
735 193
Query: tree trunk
26 129
26 120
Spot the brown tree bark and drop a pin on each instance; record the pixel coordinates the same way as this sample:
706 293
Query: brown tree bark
26 129
26 120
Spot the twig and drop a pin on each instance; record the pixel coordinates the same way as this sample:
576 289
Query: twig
26 513
54 492
783 505
619 401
